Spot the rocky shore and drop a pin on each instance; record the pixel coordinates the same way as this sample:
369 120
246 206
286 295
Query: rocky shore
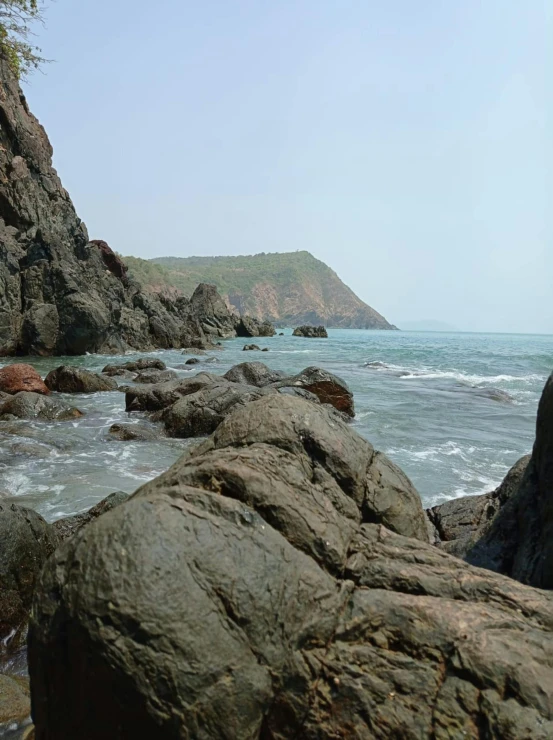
280 580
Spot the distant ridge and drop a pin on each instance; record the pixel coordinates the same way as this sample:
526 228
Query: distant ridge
286 288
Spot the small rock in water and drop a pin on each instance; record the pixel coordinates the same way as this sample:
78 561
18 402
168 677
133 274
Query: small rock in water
192 361
128 432
250 347
68 379
193 351
317 332
155 376
35 406
21 377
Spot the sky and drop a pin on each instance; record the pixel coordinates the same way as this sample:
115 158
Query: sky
403 143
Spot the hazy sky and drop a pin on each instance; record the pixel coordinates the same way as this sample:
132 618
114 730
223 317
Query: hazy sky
403 142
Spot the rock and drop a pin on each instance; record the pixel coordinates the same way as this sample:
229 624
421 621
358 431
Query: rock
161 395
462 521
155 376
318 332
253 373
113 371
70 525
250 347
133 432
26 541
329 388
265 349
250 327
113 262
15 702
192 361
144 363
69 379
249 593
30 449
281 334
193 351
519 542
20 377
200 413
212 312
35 406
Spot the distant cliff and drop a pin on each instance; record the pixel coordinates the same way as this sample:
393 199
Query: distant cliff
288 288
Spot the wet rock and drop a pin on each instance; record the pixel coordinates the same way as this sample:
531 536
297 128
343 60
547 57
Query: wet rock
161 395
133 432
461 522
144 363
70 525
318 332
15 703
249 593
26 541
192 361
69 379
250 327
200 413
30 449
329 388
193 351
155 376
253 373
113 371
21 377
251 347
519 542
35 406
265 349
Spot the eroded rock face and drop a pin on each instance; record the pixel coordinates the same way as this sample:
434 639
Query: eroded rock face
519 542
68 379
249 593
21 377
311 332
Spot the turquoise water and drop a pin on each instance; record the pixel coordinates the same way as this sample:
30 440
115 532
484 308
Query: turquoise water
455 411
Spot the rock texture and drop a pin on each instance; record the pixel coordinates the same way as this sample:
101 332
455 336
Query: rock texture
251 592
70 525
519 541
69 379
59 292
20 377
312 332
461 522
26 405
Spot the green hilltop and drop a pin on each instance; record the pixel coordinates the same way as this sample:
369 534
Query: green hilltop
285 288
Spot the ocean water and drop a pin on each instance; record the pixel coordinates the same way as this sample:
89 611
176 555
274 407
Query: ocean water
455 411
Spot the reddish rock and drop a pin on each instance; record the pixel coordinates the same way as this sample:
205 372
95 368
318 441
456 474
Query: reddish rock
21 377
114 263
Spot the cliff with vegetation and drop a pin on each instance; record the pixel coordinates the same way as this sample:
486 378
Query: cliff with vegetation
289 288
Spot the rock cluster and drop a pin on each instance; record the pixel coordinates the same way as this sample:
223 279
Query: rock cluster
277 582
317 332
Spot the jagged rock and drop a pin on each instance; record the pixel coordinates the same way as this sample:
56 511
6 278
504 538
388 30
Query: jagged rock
69 379
249 593
144 363
35 406
329 388
132 432
21 377
318 332
212 312
250 327
519 542
462 521
114 263
26 541
253 373
251 347
155 376
70 525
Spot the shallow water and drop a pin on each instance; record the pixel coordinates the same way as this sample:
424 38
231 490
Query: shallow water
435 403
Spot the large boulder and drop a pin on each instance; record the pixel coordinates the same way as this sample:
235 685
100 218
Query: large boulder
21 377
461 522
250 327
250 592
69 379
26 541
317 332
212 312
519 542
329 388
253 373
36 406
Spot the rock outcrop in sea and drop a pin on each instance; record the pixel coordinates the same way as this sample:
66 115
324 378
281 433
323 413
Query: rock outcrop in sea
60 292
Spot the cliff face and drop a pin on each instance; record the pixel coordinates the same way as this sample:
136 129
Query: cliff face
290 288
59 292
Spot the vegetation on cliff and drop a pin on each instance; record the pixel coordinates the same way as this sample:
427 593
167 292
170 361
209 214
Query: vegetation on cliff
288 288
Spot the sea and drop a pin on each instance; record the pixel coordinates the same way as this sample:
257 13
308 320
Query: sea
453 410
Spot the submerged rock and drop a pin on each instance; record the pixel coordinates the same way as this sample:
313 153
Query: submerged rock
21 377
250 592
69 379
133 432
35 406
318 332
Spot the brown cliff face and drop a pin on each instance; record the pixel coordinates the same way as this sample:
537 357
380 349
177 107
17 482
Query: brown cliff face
59 292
